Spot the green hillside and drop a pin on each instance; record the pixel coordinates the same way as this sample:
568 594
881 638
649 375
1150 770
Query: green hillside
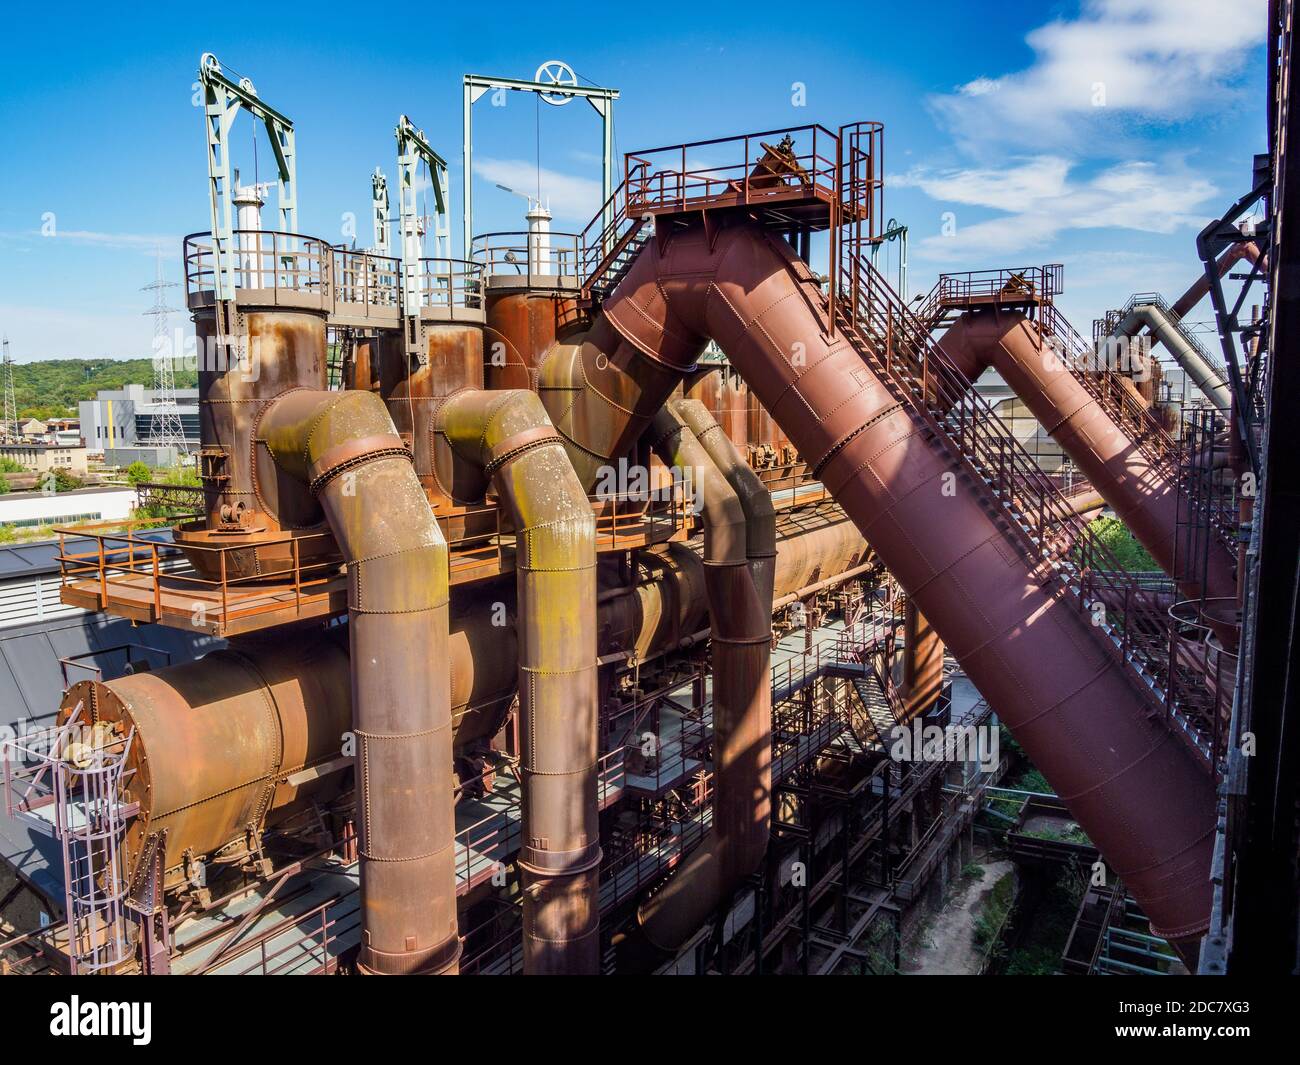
53 387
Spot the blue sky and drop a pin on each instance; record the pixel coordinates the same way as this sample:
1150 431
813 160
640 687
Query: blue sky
1099 134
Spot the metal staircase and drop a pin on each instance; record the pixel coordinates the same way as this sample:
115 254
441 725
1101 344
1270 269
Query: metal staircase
878 718
1088 364
1024 502
1105 327
897 345
607 250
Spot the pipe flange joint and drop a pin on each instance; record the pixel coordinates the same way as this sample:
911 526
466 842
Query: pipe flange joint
546 864
514 446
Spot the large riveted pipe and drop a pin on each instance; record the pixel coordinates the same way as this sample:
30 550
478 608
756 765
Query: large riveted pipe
922 663
344 446
510 436
602 390
1143 494
740 629
1132 785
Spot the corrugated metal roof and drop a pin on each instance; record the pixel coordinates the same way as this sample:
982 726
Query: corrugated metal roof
29 559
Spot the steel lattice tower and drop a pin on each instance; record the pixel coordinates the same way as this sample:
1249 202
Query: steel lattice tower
165 430
10 425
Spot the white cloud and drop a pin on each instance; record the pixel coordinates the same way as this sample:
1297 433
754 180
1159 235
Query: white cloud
568 197
1121 59
1041 201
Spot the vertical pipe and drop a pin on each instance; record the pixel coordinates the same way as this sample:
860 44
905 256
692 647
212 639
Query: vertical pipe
922 662
509 434
740 624
345 447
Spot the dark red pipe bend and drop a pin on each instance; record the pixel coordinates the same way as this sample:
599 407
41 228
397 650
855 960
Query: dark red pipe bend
1131 784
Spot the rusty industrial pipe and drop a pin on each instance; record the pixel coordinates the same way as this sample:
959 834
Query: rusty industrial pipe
1143 495
922 663
344 446
740 629
602 389
510 437
1134 788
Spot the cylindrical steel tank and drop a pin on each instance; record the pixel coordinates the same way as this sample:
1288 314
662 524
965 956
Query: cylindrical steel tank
245 502
725 396
522 323
414 390
217 739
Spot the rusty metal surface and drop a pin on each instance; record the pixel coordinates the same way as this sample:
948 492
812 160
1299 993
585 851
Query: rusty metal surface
401 705
602 388
922 663
726 397
509 435
1133 787
1144 496
739 556
521 325
216 739
413 391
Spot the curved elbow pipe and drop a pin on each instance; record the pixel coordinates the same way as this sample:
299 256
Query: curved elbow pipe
740 628
1204 374
510 436
602 390
344 446
1055 682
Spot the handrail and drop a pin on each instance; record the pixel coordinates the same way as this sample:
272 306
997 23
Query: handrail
446 283
890 336
263 260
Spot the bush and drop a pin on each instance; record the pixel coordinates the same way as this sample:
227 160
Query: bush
138 473
59 481
1130 554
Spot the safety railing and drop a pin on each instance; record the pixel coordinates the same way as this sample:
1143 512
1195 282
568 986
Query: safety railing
77 771
367 286
898 345
796 162
610 241
273 267
1025 284
520 254
1113 319
1096 368
449 283
1091 367
115 566
127 572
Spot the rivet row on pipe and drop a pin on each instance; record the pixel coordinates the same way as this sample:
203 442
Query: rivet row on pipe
1047 673
509 435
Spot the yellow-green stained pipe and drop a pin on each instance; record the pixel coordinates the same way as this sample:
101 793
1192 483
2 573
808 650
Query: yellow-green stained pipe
344 447
509 434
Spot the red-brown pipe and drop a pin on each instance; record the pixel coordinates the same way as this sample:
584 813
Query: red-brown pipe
344 445
1197 290
509 435
922 663
1145 497
1134 788
740 629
